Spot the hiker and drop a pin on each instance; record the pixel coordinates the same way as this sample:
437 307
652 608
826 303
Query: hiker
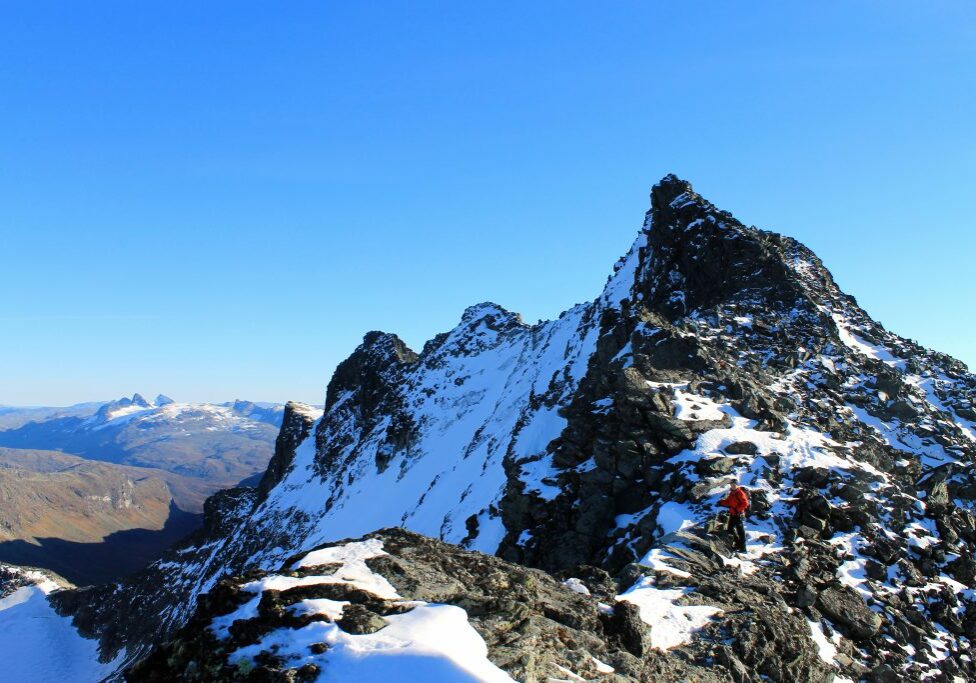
737 502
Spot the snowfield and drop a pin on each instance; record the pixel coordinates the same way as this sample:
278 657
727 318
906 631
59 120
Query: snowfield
29 626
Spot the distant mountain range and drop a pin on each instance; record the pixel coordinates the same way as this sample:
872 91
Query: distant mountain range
97 490
12 417
220 444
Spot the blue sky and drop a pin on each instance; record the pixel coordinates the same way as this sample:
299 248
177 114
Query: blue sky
216 200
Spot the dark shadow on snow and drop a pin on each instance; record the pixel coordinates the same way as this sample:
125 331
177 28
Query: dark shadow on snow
119 555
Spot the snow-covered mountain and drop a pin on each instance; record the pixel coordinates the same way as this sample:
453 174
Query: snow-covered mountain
221 444
12 417
592 445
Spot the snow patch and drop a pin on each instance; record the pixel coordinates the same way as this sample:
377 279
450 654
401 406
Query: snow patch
657 558
576 585
671 624
674 517
826 649
863 347
431 642
692 407
351 558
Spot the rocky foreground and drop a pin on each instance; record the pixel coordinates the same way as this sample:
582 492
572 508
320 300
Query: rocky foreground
347 608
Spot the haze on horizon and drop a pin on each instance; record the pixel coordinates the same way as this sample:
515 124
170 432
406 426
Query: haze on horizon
216 202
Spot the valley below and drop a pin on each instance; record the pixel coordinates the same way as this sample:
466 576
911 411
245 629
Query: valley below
127 480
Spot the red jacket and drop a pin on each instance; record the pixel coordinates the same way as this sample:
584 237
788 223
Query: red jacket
737 501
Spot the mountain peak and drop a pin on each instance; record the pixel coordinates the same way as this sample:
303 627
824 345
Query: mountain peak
138 400
369 370
698 256
495 317
385 344
669 190
486 308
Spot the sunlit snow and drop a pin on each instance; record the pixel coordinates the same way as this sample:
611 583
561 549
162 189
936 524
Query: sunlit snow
38 644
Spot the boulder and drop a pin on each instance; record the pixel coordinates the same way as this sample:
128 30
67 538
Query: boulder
359 620
742 448
805 596
883 673
902 409
843 606
626 624
712 467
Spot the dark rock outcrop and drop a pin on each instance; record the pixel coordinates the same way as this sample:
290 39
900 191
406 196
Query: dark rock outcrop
847 608
296 424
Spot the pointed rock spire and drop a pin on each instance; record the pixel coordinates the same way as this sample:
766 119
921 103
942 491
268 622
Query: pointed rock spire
669 189
371 369
698 255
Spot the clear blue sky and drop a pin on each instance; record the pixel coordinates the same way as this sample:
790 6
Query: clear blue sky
216 200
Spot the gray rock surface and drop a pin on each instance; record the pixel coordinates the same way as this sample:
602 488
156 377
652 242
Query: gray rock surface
536 628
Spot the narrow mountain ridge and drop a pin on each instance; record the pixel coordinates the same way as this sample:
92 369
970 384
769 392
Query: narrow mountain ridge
603 439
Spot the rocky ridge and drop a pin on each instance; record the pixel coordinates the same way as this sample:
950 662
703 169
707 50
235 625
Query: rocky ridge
322 608
716 352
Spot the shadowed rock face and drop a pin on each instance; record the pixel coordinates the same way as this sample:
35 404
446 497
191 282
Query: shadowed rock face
716 352
296 424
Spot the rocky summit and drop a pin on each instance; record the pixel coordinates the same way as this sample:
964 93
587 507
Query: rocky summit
570 472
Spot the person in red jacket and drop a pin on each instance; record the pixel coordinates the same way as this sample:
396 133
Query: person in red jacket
737 502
